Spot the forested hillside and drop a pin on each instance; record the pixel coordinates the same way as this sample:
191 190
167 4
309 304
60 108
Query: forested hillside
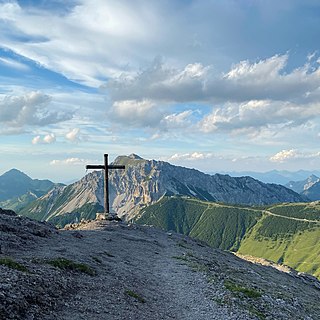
283 233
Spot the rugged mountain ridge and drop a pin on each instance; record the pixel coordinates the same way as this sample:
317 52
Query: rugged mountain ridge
144 182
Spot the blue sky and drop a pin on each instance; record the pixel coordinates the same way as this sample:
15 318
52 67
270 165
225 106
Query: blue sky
214 85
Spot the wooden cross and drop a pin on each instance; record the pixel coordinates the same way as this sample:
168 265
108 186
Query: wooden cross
106 168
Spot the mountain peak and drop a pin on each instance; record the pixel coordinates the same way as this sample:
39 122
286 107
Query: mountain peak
15 173
127 160
15 183
134 156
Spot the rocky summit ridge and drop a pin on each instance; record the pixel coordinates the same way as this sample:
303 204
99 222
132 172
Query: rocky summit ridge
109 270
144 182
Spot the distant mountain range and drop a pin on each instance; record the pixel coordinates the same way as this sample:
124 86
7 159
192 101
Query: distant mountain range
276 176
17 189
144 182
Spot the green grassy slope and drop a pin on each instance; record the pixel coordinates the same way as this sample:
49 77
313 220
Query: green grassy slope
295 243
221 226
284 233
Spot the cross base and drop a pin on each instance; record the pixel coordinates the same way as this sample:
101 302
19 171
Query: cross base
107 216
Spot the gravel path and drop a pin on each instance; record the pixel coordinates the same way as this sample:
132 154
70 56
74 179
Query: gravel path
145 262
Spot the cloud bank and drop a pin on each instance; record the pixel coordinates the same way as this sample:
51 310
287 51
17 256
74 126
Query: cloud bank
30 109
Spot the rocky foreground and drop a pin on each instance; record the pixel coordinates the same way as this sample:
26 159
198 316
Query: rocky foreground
111 270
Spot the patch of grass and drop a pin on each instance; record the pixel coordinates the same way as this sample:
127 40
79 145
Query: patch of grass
66 264
135 295
249 293
224 301
183 258
96 259
199 267
10 263
257 313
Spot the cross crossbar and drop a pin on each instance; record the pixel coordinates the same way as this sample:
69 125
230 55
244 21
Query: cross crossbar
106 168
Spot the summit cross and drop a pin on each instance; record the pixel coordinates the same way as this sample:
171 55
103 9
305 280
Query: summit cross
106 167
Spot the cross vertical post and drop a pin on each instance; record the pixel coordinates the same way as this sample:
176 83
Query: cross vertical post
106 184
106 167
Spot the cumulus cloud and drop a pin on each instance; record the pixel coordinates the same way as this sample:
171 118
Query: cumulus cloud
160 83
251 95
176 120
136 113
257 114
290 154
284 155
190 156
47 139
261 80
70 162
36 140
30 109
73 135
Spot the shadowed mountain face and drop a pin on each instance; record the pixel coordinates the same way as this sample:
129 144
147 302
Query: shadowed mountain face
144 182
16 189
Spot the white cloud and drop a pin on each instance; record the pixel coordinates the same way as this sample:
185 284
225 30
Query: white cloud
177 120
36 140
160 83
79 42
262 80
261 70
258 114
136 113
285 155
73 135
47 139
30 109
70 162
190 156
